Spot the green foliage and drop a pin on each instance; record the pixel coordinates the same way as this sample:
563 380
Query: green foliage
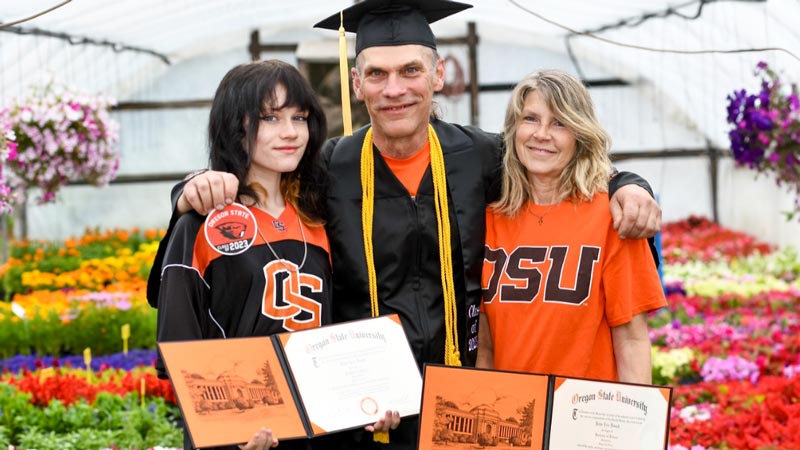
92 326
13 336
17 411
111 420
40 334
99 328
4 441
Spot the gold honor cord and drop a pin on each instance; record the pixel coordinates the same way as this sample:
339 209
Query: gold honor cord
367 206
347 122
451 355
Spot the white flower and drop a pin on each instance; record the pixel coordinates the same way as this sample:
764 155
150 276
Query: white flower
73 115
26 115
692 413
18 310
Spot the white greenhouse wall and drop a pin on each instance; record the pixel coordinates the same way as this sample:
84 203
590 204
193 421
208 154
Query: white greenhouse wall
756 205
638 117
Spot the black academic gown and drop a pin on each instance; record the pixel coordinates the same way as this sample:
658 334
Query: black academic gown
406 245
405 242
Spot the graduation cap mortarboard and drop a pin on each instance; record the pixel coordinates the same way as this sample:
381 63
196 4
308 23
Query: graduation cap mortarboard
392 22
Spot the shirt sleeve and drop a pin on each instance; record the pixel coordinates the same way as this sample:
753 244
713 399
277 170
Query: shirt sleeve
630 280
184 296
154 279
625 178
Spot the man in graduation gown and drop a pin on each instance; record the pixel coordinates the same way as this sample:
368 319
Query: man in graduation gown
407 196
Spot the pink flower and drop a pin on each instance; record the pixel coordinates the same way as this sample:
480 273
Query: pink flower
68 136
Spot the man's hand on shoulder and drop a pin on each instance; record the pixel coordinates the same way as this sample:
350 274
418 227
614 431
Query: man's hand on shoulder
206 191
635 213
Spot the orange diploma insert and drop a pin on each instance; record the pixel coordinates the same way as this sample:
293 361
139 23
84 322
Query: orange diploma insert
300 384
482 407
496 409
228 389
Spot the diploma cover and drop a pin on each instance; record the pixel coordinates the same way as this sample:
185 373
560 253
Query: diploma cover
497 409
299 385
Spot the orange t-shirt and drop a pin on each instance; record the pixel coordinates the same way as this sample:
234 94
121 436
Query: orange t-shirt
411 170
553 290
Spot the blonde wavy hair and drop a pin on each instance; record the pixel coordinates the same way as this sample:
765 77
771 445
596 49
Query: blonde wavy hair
588 171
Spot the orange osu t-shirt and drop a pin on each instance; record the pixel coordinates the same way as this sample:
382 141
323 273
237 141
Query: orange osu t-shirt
553 290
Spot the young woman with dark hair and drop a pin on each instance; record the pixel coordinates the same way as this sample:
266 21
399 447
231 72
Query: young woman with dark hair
262 265
245 107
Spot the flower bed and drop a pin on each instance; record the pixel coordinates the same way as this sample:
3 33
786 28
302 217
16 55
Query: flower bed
62 298
109 420
730 340
67 296
729 343
699 239
136 358
94 261
69 386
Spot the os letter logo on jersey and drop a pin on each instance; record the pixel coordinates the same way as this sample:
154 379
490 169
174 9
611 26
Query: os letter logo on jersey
232 230
283 299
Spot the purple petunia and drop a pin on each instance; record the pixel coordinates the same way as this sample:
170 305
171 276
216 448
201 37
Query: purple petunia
731 368
134 358
760 120
765 129
794 102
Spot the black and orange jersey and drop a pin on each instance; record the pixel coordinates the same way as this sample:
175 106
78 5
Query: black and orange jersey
205 294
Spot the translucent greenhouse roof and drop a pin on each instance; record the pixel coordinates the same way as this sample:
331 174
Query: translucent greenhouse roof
182 29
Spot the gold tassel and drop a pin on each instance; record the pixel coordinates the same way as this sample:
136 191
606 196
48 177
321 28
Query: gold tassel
381 436
344 78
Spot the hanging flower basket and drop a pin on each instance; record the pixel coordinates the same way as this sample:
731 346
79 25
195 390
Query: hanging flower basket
62 135
8 151
765 134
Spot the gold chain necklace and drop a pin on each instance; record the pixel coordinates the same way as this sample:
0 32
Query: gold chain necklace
541 216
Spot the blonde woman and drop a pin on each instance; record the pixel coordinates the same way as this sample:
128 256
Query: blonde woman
563 294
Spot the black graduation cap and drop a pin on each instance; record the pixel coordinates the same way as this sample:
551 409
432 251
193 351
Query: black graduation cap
392 22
